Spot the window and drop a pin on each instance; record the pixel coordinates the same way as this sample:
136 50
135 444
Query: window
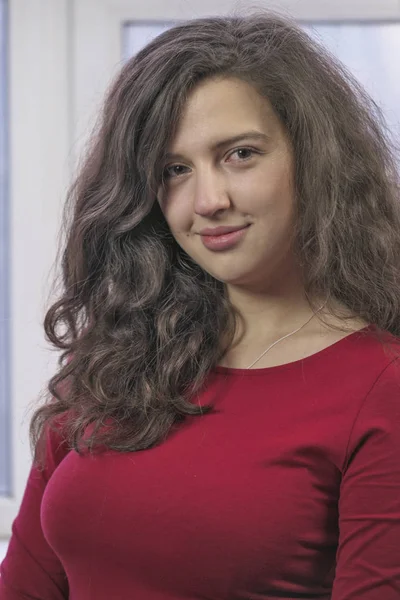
367 49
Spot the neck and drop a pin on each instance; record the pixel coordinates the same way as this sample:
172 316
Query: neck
269 315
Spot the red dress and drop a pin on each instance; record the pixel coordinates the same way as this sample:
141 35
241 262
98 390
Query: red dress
290 488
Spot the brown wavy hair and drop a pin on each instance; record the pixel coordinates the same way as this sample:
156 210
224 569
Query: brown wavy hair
138 323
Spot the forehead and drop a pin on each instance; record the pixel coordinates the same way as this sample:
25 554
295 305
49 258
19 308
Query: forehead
222 108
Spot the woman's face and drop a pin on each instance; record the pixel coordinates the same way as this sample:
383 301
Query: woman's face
215 181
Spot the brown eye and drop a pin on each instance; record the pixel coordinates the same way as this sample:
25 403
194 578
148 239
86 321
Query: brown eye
173 171
244 153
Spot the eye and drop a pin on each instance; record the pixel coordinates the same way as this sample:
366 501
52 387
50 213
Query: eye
173 171
244 151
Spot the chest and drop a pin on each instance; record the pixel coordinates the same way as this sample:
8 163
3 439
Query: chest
242 495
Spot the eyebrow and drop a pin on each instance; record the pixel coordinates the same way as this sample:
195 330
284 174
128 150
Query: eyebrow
255 135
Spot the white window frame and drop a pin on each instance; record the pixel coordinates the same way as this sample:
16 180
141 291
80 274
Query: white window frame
63 54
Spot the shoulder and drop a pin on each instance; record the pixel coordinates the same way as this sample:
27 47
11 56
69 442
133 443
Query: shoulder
383 349
384 394
377 422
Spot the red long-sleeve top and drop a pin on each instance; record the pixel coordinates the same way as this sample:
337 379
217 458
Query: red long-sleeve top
290 488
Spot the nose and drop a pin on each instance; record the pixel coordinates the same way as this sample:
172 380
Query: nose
210 194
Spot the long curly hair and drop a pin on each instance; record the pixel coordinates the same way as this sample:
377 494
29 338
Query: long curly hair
138 323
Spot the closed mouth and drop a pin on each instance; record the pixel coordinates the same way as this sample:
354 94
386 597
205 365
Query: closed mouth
217 231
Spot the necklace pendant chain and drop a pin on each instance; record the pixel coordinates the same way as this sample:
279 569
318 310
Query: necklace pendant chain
284 337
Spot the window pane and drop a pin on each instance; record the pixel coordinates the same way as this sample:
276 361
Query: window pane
5 400
369 50
136 35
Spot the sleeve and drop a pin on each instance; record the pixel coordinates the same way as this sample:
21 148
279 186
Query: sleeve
31 570
368 556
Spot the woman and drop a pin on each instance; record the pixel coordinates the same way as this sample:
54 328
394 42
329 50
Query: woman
225 421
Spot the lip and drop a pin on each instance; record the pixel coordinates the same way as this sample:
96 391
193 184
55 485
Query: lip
222 230
225 239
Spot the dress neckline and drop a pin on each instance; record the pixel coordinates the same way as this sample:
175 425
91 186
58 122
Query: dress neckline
319 355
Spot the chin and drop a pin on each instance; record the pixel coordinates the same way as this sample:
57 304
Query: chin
232 278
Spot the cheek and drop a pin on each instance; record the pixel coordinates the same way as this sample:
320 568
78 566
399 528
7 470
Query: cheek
255 195
177 212
272 192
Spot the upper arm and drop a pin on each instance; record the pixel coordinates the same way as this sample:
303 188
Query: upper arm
30 568
368 557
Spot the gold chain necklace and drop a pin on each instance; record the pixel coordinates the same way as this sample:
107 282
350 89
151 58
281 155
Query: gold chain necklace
285 336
